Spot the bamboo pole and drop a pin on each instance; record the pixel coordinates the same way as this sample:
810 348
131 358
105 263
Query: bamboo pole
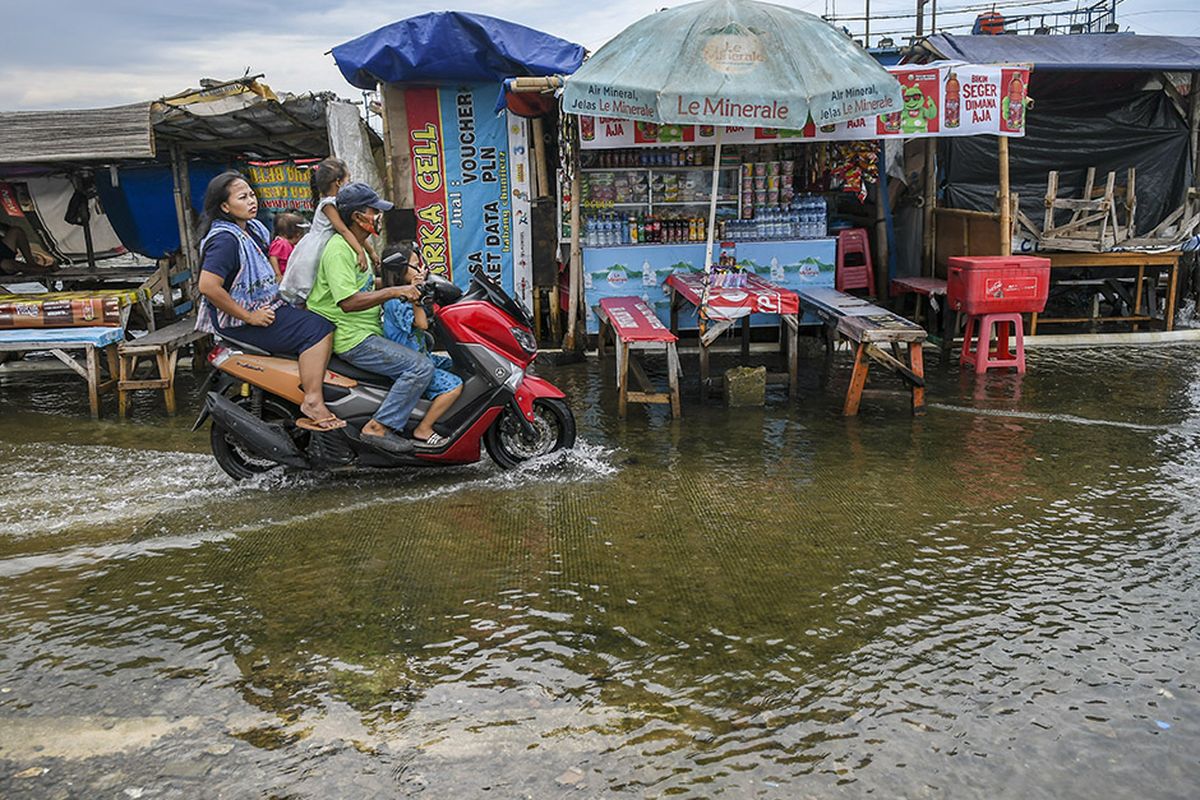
712 203
1003 200
576 276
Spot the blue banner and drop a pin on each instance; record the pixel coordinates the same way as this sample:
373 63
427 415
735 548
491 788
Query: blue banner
470 185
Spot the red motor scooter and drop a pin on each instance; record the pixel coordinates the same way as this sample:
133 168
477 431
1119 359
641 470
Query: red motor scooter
255 397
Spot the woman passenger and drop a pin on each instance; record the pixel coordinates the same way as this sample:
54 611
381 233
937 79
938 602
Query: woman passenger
241 294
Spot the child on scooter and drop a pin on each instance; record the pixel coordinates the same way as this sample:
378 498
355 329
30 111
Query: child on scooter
403 323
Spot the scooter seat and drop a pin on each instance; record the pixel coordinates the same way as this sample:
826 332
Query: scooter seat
243 346
348 370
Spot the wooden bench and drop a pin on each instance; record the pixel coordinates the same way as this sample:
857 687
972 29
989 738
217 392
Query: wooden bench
163 346
93 341
868 327
635 327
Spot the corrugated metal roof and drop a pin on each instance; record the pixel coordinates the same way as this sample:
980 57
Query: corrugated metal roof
97 134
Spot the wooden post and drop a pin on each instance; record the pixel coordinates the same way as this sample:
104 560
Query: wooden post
1194 98
880 265
541 168
1004 201
576 285
927 243
399 155
181 202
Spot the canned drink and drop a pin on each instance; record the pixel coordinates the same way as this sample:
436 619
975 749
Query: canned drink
772 197
760 197
773 182
787 168
760 169
772 167
760 183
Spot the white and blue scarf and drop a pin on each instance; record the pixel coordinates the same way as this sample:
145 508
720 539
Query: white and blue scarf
254 286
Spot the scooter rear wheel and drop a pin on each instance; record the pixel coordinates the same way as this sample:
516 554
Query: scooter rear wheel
234 459
509 444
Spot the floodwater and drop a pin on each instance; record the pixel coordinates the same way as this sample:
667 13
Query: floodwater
997 600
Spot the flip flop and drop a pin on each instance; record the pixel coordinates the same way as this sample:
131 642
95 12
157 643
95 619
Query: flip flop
434 442
330 423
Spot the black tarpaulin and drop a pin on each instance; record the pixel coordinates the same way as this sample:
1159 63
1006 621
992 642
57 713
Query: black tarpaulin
1069 132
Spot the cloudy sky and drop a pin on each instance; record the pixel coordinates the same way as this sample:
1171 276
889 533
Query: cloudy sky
87 53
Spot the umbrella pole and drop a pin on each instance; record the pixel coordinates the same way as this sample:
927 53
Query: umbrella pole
712 206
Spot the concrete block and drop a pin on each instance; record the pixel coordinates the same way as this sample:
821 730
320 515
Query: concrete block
745 386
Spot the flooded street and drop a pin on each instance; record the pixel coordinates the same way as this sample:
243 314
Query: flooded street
996 600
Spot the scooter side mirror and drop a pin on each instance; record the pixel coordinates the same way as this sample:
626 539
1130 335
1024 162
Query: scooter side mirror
441 290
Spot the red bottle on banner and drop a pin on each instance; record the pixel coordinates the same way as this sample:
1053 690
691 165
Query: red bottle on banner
953 102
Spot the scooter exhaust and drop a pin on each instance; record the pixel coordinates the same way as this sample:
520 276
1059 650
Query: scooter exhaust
263 438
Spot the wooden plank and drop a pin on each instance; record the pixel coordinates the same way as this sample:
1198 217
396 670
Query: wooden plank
858 380
895 365
1051 194
639 374
663 398
916 361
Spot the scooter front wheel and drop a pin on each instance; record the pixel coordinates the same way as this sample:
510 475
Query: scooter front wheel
509 443
232 456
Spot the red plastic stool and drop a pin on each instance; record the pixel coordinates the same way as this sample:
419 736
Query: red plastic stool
854 267
981 329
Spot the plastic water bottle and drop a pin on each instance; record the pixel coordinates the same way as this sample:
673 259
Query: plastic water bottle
624 231
593 234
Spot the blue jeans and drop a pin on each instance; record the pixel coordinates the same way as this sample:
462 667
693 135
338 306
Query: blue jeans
411 370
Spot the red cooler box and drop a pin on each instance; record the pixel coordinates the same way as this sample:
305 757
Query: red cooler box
997 284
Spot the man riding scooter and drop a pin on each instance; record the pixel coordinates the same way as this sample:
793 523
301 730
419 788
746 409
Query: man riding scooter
346 296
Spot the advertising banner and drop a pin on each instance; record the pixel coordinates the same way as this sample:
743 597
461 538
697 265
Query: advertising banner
470 177
945 99
281 185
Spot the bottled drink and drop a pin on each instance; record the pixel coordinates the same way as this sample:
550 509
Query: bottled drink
952 101
625 231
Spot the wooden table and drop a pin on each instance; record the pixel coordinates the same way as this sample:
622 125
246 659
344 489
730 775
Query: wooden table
1118 260
729 304
94 342
870 328
635 328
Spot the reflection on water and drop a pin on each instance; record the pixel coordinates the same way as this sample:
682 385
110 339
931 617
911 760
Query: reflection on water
995 600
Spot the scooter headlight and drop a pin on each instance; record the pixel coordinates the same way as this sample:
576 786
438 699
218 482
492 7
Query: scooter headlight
525 339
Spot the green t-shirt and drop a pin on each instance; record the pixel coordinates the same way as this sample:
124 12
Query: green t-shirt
339 277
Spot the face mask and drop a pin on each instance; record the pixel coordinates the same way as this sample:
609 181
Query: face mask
371 225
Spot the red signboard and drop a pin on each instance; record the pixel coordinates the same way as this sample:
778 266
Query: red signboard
428 179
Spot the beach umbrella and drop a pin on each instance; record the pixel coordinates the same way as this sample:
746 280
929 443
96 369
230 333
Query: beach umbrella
731 63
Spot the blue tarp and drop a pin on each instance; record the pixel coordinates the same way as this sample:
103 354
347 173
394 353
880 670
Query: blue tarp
141 207
1092 52
452 46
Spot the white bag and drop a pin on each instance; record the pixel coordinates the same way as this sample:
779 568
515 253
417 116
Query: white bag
302 266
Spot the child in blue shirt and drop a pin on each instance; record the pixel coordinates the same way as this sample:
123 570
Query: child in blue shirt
404 323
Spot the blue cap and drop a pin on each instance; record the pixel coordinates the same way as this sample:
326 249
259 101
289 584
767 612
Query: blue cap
354 196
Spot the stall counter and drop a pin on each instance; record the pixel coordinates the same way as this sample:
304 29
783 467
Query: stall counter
641 270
